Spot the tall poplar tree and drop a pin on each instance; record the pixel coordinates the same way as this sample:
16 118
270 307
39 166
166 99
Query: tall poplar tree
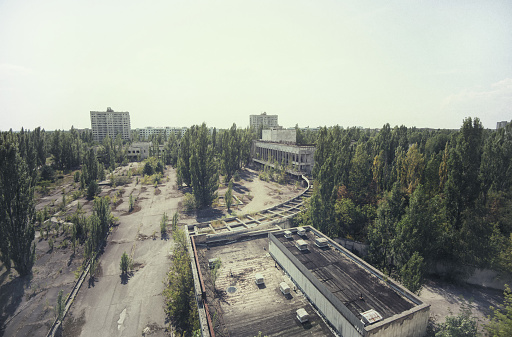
16 210
203 171
230 152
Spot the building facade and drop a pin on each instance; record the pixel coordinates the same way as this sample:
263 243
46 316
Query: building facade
264 120
501 125
110 123
147 132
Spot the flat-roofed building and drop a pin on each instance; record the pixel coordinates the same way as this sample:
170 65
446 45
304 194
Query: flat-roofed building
341 294
301 158
356 299
138 150
263 120
110 123
248 294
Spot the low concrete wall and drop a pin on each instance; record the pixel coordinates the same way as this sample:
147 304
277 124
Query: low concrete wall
358 248
411 323
489 279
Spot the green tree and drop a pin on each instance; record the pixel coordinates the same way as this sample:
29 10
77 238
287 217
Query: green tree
462 325
184 154
163 224
124 264
412 273
361 177
463 185
230 158
93 189
148 169
175 218
382 232
228 197
17 210
500 322
203 171
131 203
215 271
180 306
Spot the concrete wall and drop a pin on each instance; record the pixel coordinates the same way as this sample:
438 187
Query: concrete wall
359 248
489 279
411 323
316 295
279 135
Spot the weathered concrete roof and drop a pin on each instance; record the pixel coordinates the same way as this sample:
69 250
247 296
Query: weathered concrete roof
252 308
356 287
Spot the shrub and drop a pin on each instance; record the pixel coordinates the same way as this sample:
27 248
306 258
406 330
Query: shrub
148 169
131 203
124 264
76 177
189 202
92 190
47 173
163 224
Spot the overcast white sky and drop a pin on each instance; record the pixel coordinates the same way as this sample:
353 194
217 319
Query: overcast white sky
316 62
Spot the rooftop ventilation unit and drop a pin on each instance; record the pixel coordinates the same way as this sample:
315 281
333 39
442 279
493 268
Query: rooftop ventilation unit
258 278
288 234
371 316
301 245
301 231
285 289
302 315
321 242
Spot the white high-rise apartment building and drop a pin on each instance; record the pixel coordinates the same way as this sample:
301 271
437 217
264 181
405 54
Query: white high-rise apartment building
110 123
263 120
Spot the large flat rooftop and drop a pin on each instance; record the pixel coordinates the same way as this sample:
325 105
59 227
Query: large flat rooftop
252 308
353 283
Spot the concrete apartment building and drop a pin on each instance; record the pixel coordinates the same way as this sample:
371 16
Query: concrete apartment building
147 132
342 294
264 120
501 125
280 145
110 123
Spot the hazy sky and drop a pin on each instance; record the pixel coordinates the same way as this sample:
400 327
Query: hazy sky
316 62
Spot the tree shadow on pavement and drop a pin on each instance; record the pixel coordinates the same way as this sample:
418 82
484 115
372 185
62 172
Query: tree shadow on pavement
125 277
11 296
92 281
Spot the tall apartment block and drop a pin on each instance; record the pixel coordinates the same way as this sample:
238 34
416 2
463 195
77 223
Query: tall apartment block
501 125
263 120
110 123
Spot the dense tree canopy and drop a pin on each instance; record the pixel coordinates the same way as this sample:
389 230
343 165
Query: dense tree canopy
417 197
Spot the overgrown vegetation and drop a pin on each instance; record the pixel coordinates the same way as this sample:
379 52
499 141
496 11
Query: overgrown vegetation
124 264
163 224
500 324
419 198
180 306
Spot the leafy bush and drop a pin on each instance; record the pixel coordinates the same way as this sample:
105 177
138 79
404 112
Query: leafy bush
148 169
125 263
47 173
92 190
189 202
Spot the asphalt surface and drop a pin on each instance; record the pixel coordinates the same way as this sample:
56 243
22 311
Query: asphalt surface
125 306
